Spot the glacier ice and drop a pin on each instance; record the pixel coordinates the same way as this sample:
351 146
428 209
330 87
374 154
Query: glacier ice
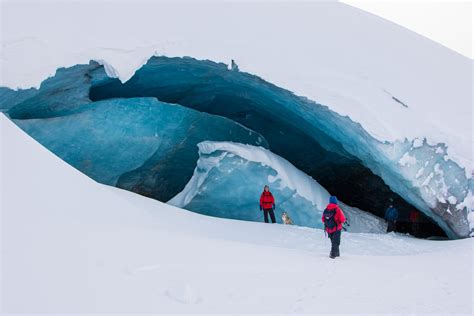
334 150
275 113
229 178
9 98
139 144
65 92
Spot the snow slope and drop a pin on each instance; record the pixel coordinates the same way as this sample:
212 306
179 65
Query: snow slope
70 244
394 82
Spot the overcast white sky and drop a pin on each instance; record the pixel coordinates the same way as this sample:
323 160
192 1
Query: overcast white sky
448 22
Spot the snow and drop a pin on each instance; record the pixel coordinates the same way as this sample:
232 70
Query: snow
428 179
356 63
407 160
72 245
419 172
417 142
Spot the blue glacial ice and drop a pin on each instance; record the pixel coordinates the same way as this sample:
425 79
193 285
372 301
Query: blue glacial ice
331 148
139 144
62 94
229 178
9 98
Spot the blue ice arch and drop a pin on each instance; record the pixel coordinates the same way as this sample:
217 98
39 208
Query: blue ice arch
332 149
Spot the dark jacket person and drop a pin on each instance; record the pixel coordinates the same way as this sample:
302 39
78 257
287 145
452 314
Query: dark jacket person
391 215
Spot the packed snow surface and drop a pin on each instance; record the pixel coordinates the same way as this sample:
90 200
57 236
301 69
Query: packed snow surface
72 245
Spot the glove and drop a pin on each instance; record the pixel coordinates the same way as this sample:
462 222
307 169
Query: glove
273 206
260 207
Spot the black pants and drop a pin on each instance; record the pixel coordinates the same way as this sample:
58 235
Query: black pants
391 226
335 242
272 215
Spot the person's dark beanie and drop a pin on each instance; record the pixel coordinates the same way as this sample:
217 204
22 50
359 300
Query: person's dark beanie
333 199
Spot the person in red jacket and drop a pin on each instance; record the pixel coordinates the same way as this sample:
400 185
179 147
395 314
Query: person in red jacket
333 218
267 204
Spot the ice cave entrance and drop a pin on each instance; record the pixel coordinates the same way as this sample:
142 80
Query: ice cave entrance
276 114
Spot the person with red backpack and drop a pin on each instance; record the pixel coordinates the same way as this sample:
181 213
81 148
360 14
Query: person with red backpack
267 204
333 218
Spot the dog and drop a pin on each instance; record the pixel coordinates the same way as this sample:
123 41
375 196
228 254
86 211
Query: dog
286 219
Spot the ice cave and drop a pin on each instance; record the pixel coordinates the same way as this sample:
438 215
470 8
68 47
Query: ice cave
207 137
